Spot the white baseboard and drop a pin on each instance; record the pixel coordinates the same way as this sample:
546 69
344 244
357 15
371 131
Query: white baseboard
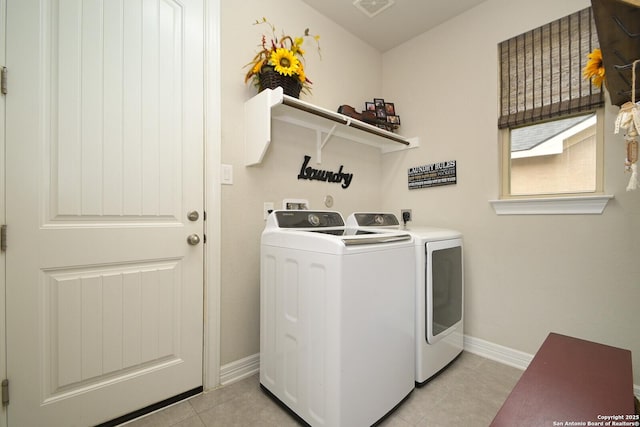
506 355
239 369
243 368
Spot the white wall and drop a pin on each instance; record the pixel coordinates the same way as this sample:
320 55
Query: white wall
348 73
525 275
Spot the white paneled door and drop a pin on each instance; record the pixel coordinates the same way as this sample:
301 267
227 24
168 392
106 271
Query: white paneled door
104 161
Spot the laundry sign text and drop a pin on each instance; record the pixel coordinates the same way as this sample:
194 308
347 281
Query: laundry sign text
339 177
435 174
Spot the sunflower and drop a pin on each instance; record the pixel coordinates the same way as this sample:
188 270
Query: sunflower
301 74
284 61
594 69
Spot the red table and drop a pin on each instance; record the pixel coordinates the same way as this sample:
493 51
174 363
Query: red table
570 382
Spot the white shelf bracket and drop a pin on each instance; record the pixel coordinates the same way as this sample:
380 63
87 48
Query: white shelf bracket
320 143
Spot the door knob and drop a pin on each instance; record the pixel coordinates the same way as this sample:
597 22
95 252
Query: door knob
193 215
193 239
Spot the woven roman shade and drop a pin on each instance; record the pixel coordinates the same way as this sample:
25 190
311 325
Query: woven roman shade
541 72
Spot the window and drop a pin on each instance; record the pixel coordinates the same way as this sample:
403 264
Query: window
560 157
551 124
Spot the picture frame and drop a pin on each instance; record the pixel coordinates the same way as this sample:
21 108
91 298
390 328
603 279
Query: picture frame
390 108
385 114
393 119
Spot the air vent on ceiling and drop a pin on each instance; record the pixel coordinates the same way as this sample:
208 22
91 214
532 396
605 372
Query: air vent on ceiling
372 7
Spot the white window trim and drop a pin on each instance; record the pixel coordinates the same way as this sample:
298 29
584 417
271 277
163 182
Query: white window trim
587 205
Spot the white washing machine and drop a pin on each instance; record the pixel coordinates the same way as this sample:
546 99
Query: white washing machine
336 318
439 291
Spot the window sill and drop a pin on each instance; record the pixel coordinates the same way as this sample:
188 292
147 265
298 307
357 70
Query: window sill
589 205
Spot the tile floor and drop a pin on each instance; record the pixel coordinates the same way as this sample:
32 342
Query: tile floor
469 394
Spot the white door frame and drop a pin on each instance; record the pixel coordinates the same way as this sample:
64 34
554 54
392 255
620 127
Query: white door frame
3 334
212 160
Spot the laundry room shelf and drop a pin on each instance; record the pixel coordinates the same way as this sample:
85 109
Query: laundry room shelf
274 104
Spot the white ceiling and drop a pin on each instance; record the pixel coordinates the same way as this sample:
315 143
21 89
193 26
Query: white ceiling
400 22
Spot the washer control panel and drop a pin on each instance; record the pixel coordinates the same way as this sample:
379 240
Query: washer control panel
376 219
308 219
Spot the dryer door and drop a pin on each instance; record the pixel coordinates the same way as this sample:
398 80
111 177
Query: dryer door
444 288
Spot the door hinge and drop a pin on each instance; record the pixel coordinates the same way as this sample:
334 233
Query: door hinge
5 392
3 237
3 80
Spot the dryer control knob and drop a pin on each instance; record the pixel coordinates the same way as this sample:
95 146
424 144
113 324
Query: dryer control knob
313 219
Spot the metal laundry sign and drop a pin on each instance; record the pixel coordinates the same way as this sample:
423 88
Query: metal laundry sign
307 172
435 174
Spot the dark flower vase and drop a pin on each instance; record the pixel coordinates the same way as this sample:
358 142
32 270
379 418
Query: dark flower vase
270 79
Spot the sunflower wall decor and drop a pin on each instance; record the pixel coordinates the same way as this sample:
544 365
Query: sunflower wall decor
280 62
594 70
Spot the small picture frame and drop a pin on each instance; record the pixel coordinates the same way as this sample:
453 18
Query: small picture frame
385 114
390 108
393 119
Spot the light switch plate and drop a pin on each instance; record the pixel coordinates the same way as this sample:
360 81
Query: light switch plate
226 173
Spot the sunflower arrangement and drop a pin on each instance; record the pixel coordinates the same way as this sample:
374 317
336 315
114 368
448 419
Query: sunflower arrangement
282 54
594 70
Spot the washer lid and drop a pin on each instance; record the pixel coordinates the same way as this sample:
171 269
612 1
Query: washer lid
378 220
314 230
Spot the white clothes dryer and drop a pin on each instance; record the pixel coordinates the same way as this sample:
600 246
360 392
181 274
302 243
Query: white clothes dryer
439 291
336 318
